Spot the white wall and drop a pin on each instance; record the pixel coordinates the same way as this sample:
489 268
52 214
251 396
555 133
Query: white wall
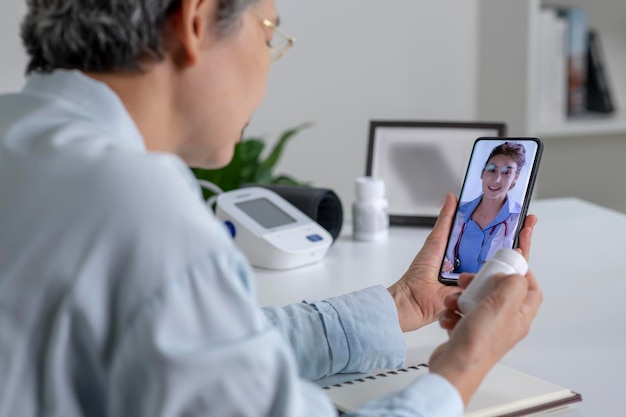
354 60
12 56
357 60
591 168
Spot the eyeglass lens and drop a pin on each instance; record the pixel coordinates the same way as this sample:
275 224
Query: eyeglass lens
279 45
492 169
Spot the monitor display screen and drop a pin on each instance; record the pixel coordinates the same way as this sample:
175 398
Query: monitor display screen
266 213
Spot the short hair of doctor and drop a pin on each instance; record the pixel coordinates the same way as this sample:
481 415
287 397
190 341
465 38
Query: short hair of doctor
513 150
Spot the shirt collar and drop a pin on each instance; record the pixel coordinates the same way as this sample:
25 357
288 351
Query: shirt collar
469 207
92 99
509 207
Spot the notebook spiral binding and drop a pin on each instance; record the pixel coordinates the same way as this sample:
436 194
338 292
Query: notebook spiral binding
384 374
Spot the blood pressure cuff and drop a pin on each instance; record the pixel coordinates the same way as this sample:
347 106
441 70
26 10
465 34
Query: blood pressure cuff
320 204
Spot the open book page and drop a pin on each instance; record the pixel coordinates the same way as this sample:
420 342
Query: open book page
360 388
504 392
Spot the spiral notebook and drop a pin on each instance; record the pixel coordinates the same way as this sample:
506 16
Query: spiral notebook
505 392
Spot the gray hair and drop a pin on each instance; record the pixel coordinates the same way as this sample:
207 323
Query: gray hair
105 35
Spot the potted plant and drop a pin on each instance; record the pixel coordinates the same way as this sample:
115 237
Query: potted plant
249 166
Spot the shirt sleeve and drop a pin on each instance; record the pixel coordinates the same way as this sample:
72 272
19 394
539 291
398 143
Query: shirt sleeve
200 346
355 332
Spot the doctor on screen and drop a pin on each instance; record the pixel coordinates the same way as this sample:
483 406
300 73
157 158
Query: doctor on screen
488 222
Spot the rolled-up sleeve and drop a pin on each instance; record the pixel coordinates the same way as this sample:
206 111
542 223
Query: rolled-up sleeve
355 332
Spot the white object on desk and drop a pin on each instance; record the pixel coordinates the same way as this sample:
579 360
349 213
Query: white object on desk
272 232
506 261
370 213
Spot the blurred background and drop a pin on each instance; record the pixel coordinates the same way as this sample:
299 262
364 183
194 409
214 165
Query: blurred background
357 60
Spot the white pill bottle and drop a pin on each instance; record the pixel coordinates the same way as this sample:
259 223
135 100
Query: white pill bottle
506 261
370 210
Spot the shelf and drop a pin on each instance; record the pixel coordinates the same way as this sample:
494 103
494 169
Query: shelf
582 156
508 72
592 124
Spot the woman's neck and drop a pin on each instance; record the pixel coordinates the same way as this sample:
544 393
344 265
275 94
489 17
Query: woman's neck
486 211
147 104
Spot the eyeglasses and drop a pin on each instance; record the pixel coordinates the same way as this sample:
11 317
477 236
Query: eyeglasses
280 42
492 170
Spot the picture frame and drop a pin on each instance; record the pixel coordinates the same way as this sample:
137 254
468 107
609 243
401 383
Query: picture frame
421 161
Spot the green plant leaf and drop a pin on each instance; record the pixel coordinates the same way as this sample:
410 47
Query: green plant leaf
263 175
246 167
276 152
250 152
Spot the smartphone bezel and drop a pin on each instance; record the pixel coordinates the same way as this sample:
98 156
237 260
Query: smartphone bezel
524 204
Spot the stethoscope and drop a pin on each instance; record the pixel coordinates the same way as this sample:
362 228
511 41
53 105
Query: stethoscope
457 260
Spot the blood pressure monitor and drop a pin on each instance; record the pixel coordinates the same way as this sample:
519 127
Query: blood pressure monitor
272 232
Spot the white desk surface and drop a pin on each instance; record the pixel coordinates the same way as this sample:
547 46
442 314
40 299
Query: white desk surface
578 254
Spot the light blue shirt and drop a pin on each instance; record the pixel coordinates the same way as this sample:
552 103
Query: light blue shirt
121 294
474 245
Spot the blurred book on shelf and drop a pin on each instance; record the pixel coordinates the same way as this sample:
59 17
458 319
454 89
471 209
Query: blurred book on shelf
576 53
599 97
573 77
552 67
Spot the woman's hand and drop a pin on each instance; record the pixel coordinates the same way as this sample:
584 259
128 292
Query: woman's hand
418 294
526 235
480 339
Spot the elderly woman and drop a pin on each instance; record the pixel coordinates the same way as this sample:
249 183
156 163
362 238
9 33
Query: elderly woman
122 295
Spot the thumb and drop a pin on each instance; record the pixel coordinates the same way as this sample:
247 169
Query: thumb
442 226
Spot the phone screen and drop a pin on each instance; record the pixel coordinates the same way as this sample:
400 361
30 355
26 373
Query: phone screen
493 203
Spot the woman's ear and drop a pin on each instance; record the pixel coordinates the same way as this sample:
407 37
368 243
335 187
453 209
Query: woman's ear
191 28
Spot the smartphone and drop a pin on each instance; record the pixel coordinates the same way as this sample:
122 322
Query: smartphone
493 203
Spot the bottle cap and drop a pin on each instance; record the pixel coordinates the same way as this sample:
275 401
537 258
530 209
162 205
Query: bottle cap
369 188
513 258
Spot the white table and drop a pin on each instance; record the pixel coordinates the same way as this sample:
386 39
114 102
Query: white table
578 254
